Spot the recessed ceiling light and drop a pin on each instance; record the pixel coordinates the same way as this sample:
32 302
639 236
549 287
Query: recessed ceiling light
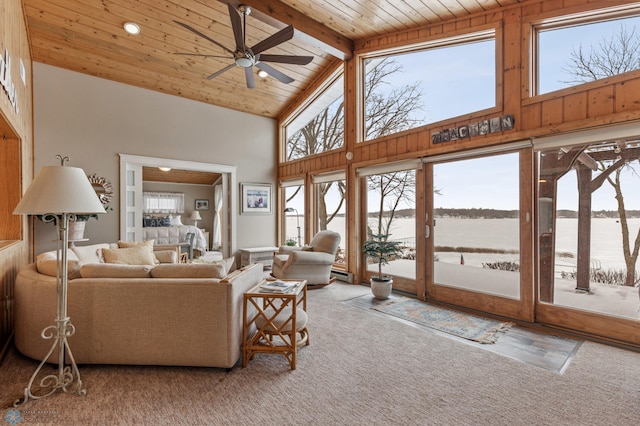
165 169
132 28
262 74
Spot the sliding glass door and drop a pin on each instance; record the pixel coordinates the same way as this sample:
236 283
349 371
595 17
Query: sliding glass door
479 230
589 237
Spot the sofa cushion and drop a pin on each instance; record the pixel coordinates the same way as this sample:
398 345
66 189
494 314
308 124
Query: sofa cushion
110 270
140 255
90 253
189 270
49 267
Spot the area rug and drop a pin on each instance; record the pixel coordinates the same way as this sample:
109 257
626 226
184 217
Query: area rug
471 327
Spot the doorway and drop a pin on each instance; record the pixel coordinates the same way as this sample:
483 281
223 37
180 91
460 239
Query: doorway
131 205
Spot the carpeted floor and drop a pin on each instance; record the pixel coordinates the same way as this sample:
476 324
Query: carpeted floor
360 369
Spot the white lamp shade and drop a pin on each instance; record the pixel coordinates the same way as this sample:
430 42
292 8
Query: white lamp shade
60 189
195 215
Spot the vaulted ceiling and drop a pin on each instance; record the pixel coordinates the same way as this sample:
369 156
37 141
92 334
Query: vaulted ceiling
87 36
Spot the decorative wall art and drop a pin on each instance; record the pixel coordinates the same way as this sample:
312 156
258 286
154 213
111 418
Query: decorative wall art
255 198
202 205
484 127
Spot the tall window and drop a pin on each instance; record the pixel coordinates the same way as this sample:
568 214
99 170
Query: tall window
319 127
572 53
331 208
444 80
294 220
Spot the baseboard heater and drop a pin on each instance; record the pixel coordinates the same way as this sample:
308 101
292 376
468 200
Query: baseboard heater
342 276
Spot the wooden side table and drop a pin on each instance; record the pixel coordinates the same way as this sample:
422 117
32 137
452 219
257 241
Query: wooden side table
275 323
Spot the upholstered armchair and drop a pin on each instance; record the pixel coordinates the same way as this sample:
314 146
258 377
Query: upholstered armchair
312 262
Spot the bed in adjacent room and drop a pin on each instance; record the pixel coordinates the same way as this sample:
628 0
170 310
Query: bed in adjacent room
170 230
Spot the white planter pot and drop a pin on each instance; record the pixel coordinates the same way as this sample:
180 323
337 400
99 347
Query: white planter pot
381 289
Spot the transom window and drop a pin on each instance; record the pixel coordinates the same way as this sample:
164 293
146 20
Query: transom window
574 52
444 79
319 126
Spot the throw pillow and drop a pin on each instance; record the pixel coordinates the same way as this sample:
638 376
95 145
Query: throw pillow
189 270
49 267
106 270
128 244
89 254
51 255
229 264
175 220
140 255
166 256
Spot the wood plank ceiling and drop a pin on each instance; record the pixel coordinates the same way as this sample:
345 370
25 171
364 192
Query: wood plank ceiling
193 177
87 36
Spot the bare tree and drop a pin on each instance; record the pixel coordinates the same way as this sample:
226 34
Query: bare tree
612 56
393 188
630 254
388 110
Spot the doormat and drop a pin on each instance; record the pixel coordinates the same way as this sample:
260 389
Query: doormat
471 327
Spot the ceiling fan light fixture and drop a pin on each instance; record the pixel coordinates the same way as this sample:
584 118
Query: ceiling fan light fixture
244 62
131 28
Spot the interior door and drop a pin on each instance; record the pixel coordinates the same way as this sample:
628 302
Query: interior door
479 232
131 202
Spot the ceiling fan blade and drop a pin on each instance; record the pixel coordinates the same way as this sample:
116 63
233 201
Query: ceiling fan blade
200 54
281 77
236 25
251 81
217 73
204 36
286 59
274 40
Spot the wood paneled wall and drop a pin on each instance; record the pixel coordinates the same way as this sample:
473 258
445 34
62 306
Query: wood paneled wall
610 101
16 155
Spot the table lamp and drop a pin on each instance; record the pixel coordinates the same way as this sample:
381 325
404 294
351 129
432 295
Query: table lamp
195 216
57 194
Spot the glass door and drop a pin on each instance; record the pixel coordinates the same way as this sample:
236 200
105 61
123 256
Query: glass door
479 233
589 238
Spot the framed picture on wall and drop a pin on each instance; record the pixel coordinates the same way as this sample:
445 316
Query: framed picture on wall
202 204
255 198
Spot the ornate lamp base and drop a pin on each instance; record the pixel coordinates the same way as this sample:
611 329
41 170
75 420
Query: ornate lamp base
67 378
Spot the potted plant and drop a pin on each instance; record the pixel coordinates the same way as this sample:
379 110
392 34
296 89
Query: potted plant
380 250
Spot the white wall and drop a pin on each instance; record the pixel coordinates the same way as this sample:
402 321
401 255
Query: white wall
92 120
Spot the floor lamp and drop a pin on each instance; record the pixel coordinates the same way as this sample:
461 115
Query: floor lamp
289 210
57 194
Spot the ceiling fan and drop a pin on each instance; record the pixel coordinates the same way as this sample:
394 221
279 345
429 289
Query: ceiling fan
246 57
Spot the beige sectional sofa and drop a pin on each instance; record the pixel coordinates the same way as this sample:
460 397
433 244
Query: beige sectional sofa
166 314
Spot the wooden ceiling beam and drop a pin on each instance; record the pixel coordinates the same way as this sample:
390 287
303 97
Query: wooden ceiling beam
279 15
